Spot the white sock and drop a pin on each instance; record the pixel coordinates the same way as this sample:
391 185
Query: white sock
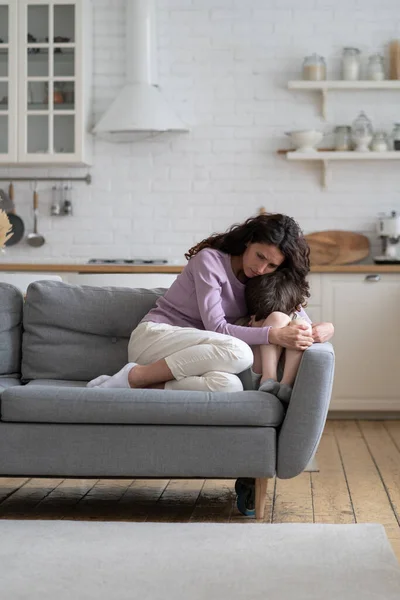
96 382
120 379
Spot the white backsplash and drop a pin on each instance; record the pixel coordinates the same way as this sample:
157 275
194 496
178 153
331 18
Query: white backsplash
224 67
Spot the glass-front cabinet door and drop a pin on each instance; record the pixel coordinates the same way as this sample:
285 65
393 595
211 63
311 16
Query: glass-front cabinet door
8 81
50 78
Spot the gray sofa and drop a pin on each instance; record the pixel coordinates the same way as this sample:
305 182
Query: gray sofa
53 426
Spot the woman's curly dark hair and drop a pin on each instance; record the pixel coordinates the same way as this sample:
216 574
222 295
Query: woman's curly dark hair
272 229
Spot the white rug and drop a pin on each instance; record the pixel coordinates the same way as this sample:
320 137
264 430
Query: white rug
73 560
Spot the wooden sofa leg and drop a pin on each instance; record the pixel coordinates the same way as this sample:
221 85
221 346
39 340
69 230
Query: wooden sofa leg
261 496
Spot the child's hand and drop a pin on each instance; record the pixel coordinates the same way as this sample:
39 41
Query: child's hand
254 323
294 337
301 321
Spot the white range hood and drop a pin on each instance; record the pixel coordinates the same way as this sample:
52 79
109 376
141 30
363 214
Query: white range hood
139 107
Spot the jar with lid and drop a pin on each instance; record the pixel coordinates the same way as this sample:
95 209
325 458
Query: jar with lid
314 68
350 64
396 136
342 138
379 142
376 69
362 132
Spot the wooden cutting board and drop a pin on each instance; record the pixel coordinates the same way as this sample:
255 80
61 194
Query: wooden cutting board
337 247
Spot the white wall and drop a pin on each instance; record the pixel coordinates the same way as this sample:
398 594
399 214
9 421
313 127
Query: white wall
224 66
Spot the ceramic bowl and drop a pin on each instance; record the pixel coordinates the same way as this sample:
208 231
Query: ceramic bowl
305 140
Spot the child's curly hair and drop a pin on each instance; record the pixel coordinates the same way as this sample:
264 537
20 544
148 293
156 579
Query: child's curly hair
281 291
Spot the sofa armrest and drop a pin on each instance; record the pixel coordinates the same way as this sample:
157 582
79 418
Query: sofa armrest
305 418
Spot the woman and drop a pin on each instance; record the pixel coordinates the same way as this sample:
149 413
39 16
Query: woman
189 340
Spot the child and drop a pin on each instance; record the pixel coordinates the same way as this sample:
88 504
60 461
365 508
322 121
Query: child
277 291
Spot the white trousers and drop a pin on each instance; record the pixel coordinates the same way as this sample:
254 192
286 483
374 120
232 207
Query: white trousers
199 360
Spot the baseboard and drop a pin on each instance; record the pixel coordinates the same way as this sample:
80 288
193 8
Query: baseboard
387 405
371 415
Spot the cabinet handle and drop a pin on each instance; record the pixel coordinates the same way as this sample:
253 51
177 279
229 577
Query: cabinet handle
372 278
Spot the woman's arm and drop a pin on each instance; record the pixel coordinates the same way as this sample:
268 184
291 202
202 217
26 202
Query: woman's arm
208 274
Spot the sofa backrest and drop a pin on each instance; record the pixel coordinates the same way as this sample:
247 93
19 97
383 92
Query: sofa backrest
79 332
11 306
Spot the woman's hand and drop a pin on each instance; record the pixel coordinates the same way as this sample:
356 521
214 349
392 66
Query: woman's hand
294 337
322 332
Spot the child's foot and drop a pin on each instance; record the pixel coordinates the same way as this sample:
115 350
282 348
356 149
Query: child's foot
119 380
269 385
284 392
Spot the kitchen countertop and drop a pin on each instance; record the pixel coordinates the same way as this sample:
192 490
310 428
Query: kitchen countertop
85 268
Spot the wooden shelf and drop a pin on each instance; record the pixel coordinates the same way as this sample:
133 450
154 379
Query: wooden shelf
325 156
329 155
324 86
362 84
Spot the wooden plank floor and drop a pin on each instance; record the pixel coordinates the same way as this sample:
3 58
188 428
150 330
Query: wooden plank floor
358 482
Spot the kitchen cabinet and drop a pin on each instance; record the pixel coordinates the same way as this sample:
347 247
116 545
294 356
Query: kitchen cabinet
313 308
45 82
23 280
8 81
134 280
364 311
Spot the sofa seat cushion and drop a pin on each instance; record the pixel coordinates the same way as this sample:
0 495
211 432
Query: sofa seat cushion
7 382
44 401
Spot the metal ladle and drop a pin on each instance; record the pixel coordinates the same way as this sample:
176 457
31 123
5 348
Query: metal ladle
35 239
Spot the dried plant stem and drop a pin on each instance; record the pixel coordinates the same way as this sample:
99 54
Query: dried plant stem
5 228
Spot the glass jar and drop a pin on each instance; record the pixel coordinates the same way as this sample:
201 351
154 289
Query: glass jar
396 136
351 64
376 69
342 138
379 142
362 132
314 68
58 96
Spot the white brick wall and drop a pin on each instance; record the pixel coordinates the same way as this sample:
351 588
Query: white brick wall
224 66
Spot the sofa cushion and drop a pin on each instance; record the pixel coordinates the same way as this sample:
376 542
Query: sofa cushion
78 332
7 382
65 402
11 304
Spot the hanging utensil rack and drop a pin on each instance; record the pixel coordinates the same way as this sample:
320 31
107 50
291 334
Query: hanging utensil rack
87 179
